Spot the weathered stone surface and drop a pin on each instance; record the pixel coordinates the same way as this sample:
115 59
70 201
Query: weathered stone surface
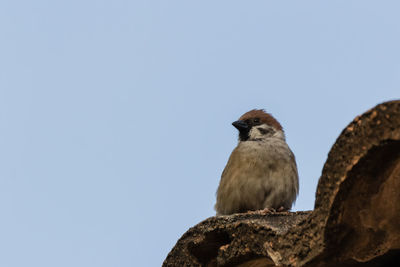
356 220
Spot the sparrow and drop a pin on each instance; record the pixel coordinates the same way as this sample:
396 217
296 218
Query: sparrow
261 173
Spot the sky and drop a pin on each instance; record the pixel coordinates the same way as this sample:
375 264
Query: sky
115 116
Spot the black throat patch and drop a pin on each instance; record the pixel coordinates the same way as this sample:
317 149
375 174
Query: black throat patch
244 135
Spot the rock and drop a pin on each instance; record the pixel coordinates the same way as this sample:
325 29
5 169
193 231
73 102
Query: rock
355 222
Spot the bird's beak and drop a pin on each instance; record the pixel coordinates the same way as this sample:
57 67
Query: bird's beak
240 125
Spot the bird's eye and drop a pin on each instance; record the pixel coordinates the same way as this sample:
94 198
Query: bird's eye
256 120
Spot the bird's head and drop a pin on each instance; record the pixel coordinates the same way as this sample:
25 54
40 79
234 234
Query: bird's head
258 125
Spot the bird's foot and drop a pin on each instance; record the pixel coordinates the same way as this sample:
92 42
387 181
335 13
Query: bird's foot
282 209
267 211
261 212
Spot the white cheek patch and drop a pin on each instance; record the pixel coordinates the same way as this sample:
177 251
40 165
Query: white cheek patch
261 131
265 131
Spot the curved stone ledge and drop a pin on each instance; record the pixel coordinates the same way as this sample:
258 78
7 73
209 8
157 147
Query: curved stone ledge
356 220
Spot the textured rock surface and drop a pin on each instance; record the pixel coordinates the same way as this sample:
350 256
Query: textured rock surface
356 220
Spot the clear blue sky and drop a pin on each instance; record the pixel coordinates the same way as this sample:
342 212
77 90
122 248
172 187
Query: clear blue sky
115 116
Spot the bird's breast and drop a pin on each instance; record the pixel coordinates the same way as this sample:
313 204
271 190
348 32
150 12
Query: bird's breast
263 151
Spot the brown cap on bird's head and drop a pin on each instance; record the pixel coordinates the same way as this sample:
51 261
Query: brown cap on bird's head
263 116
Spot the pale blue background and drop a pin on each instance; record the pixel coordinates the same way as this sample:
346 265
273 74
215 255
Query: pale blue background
115 116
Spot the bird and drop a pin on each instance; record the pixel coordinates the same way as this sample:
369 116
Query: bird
261 174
